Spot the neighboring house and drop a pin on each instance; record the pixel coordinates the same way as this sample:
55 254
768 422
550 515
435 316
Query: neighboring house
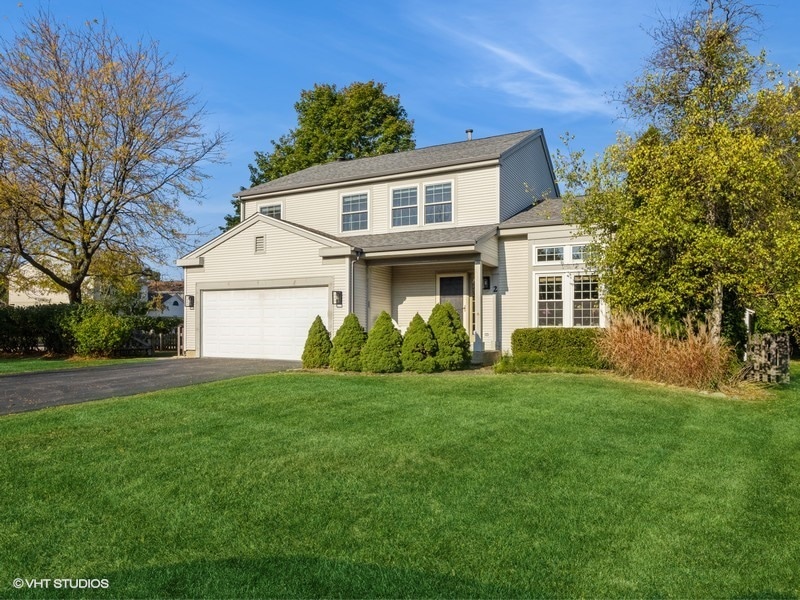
170 294
31 294
475 223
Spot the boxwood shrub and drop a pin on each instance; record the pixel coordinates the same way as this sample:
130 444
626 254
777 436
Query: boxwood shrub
558 346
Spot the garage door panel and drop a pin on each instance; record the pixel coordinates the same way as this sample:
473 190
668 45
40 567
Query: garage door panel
259 323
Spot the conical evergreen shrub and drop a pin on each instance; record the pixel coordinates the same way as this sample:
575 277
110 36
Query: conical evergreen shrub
317 351
451 337
381 353
347 345
419 347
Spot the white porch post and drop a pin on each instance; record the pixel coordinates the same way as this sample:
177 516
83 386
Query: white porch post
477 344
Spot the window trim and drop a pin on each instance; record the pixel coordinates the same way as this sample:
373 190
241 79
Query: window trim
269 204
342 196
392 189
567 298
423 204
560 261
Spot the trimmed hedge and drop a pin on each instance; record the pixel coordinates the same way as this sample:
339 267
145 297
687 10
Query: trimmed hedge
99 333
381 353
558 346
317 351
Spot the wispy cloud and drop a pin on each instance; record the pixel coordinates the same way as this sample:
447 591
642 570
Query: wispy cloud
559 68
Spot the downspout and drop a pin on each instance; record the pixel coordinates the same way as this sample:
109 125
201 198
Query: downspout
359 254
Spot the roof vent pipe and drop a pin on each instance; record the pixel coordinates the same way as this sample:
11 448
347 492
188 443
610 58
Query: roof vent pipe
469 134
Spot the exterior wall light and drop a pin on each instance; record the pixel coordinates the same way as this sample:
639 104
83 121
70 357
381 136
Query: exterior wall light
336 298
189 301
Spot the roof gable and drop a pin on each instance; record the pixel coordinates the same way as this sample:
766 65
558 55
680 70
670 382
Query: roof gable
457 153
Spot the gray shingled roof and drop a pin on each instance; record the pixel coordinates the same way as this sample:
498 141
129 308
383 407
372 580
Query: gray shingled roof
426 238
546 212
477 150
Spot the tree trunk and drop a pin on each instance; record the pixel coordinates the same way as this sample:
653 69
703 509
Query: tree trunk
715 314
75 295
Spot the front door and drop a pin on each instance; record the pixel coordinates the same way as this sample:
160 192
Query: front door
451 289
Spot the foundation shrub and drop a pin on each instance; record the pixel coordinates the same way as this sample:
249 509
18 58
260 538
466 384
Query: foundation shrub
347 345
557 347
451 338
419 347
381 352
687 356
317 351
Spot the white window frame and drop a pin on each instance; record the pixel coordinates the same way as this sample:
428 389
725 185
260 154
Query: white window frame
567 298
560 261
271 205
344 195
392 207
423 204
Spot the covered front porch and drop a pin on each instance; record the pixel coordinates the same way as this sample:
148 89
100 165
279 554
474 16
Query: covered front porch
404 287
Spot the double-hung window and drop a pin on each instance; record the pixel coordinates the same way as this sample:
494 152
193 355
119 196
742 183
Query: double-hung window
550 301
404 206
355 210
438 203
586 301
271 210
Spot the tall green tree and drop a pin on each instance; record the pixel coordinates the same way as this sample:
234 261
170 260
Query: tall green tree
355 121
99 144
695 216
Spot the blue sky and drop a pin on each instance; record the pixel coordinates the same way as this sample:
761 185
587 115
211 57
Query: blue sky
496 67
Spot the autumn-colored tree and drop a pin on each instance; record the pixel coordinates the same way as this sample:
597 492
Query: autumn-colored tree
698 216
100 142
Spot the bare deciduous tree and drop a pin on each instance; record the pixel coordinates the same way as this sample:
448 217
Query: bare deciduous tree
99 143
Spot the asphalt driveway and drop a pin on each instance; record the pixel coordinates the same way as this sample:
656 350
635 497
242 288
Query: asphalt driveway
30 391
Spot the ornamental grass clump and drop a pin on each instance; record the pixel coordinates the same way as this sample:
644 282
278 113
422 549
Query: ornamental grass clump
347 345
419 347
317 351
453 342
636 347
381 352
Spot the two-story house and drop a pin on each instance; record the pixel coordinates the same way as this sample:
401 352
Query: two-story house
476 223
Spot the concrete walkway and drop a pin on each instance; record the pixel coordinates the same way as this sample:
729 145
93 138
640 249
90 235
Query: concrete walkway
31 391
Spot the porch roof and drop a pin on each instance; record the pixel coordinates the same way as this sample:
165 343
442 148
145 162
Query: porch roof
420 239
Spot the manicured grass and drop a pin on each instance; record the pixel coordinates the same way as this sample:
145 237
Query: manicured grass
29 364
473 485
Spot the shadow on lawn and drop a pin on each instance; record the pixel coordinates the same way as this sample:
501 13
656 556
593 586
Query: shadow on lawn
284 577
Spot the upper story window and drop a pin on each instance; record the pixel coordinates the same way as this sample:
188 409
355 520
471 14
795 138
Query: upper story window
355 209
404 207
579 253
550 254
271 210
438 203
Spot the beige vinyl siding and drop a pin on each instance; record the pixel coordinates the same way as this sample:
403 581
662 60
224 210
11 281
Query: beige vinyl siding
526 165
380 291
360 293
475 196
513 289
413 291
289 258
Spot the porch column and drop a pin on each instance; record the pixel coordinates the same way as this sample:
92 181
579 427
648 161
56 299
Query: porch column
477 345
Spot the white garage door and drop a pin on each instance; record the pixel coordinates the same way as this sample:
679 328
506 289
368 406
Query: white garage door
260 323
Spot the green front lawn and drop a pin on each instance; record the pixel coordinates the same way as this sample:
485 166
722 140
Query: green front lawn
29 364
469 485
